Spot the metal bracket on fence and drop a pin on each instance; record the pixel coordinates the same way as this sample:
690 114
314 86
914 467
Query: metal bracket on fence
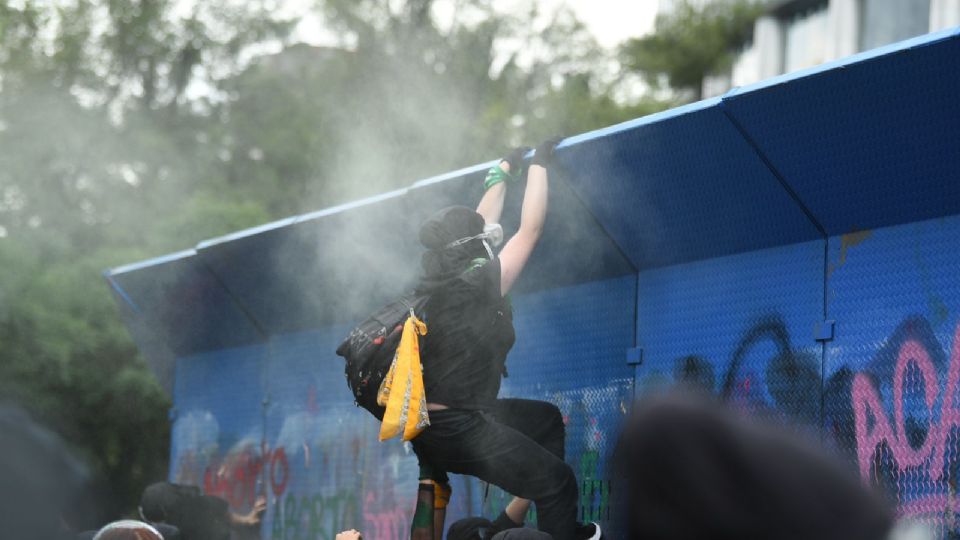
824 330
635 356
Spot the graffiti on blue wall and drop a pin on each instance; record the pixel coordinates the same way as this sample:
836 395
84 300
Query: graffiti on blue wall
781 380
901 418
325 471
897 418
883 392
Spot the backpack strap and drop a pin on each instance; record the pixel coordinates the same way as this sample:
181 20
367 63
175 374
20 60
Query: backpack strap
474 264
415 304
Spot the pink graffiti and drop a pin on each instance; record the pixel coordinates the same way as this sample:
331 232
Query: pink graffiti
873 426
385 524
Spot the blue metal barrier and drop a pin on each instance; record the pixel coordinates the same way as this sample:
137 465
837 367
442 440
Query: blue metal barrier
790 246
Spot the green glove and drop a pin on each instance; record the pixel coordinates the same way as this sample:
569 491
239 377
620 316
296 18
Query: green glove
496 174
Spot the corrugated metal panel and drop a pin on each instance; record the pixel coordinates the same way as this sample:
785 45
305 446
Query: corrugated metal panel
319 269
218 424
869 141
177 307
889 395
682 186
740 326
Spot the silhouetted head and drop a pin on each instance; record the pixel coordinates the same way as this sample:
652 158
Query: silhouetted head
449 225
128 530
41 485
690 469
454 237
161 499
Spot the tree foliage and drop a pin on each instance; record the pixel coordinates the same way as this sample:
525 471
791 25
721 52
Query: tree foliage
691 42
410 97
98 149
129 128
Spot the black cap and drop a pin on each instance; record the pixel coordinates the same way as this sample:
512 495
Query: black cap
448 225
471 528
161 498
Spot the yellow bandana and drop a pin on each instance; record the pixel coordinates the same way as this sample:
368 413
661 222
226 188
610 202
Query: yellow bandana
402 389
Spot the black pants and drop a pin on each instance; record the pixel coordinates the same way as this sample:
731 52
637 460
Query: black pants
521 534
518 446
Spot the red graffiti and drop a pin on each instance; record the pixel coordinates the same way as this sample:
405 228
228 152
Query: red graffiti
279 465
873 426
236 477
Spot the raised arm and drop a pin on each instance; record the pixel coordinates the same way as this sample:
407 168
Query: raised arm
491 205
532 217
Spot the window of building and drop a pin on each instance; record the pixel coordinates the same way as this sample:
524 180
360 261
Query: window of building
746 68
806 38
887 21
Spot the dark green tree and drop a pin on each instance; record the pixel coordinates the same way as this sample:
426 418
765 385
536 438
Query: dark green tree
105 159
691 42
129 128
406 96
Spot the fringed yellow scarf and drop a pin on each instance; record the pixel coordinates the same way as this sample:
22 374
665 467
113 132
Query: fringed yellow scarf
402 389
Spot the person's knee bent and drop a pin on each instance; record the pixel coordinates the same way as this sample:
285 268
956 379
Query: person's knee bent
550 415
554 415
564 476
558 431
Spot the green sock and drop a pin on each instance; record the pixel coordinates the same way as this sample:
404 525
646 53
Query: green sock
423 516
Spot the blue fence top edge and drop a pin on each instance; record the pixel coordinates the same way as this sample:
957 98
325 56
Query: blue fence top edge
663 116
865 56
156 261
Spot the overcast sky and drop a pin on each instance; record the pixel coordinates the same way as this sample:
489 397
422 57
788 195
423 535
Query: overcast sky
611 21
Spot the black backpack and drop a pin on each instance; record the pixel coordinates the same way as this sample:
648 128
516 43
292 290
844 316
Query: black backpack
370 348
